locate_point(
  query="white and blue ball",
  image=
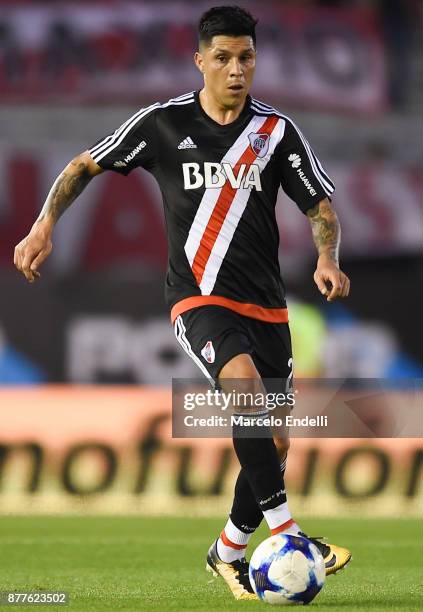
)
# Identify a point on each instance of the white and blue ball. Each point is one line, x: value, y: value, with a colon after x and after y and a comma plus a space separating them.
x: 287, y: 569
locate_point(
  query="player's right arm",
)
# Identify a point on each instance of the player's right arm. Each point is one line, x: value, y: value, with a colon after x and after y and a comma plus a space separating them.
x: 132, y: 145
x: 37, y: 245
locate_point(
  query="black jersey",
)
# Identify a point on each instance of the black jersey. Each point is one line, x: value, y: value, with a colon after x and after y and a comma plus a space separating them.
x: 219, y: 185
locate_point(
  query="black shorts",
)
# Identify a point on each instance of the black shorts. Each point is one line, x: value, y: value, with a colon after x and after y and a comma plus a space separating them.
x: 212, y: 335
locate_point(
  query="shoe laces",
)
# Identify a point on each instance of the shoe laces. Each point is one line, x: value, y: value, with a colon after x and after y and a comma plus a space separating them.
x: 317, y: 541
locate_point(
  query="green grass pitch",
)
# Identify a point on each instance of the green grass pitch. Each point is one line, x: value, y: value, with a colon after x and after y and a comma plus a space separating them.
x: 139, y: 563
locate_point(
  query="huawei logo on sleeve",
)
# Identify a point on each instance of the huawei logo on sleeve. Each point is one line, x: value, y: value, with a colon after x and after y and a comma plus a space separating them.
x: 295, y: 160
x: 130, y: 157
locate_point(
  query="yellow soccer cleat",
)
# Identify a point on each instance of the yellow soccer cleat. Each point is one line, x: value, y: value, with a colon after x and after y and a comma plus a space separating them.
x: 235, y: 574
x: 335, y: 557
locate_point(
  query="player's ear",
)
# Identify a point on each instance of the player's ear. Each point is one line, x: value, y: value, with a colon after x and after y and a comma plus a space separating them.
x: 199, y: 62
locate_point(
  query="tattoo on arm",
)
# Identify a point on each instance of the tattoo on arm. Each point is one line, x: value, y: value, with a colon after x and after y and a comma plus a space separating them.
x: 326, y: 230
x: 66, y: 188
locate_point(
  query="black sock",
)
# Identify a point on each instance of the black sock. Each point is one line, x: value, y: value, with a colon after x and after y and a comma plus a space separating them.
x: 245, y: 512
x: 261, y: 467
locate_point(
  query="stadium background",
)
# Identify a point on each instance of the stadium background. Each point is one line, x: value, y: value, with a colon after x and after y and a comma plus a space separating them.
x: 87, y: 353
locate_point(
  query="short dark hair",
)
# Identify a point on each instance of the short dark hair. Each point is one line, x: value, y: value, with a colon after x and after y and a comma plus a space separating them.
x: 226, y: 21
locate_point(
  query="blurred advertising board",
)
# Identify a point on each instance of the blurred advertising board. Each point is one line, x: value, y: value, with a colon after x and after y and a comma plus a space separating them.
x: 110, y: 449
x: 88, y: 330
x: 74, y: 53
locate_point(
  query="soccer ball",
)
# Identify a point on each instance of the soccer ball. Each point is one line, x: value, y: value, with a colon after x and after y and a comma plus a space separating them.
x: 287, y: 569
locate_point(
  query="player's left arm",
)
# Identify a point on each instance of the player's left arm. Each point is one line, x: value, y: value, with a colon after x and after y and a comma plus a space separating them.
x: 331, y: 281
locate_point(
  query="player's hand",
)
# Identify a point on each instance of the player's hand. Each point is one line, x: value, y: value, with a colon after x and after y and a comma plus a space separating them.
x: 330, y: 280
x: 33, y: 250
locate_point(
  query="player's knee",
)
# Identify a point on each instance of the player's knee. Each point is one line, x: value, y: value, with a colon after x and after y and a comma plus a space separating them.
x: 282, y: 446
x: 240, y: 378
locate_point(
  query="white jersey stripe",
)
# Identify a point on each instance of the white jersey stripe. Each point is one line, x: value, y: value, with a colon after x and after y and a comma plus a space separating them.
x: 109, y: 139
x: 322, y: 170
x: 264, y: 105
x: 201, y: 219
x: 236, y: 209
x: 233, y: 217
x: 327, y: 185
x: 141, y: 110
x: 183, y: 96
x: 211, y: 196
x: 317, y: 168
x: 113, y: 145
x: 119, y: 137
x: 110, y: 142
x: 180, y: 333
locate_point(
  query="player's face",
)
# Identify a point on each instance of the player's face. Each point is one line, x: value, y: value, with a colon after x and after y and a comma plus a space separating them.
x: 228, y: 65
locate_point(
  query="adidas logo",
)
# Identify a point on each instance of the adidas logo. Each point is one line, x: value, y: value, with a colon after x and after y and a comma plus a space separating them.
x: 187, y: 143
x: 295, y: 159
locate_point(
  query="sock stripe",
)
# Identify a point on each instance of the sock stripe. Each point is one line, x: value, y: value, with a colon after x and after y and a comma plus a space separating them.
x: 227, y: 542
x: 282, y: 527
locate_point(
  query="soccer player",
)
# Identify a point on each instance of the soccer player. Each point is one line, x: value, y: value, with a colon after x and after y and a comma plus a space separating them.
x: 220, y: 157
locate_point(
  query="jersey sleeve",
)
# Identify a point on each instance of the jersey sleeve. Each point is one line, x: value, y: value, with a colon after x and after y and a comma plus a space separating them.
x: 132, y: 145
x: 302, y: 176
